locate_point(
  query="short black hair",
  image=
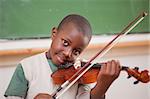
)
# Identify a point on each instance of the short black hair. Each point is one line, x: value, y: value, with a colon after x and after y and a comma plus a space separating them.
x: 80, y: 22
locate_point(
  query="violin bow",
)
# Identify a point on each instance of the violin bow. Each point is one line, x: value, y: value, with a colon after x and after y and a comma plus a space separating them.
x: 66, y: 85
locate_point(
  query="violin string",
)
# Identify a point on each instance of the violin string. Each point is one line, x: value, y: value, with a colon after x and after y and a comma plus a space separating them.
x: 87, y: 66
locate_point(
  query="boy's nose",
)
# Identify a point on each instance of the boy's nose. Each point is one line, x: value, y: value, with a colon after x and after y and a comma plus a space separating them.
x: 68, y: 53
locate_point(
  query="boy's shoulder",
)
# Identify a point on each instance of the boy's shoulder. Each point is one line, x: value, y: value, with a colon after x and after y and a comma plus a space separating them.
x: 34, y: 62
x: 34, y: 65
x: 33, y: 57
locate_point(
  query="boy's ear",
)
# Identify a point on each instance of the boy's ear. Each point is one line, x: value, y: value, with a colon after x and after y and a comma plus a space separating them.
x: 54, y: 32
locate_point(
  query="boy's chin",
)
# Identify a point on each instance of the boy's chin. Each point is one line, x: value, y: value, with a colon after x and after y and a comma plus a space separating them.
x: 65, y: 65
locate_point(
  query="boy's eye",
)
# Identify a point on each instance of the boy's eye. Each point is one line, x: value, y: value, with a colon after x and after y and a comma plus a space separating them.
x: 65, y: 42
x: 76, y: 52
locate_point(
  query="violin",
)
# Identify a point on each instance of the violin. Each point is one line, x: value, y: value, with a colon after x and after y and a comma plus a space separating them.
x: 68, y: 76
x: 63, y: 74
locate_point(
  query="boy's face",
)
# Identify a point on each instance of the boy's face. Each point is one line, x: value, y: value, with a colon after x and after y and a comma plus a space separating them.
x: 67, y: 44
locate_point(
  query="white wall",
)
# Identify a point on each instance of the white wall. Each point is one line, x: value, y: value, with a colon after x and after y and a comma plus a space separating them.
x: 122, y: 88
x: 5, y: 76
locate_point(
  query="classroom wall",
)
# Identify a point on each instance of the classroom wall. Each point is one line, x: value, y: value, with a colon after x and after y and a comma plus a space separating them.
x: 132, y: 51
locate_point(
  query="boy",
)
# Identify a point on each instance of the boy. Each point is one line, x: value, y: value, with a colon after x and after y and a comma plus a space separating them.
x: 32, y: 78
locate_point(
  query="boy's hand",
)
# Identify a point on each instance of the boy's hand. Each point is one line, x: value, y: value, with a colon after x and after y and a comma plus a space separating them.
x: 42, y: 96
x: 107, y: 74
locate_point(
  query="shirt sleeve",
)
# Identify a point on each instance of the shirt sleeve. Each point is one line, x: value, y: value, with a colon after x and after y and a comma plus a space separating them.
x: 84, y: 91
x: 18, y: 85
x: 14, y: 97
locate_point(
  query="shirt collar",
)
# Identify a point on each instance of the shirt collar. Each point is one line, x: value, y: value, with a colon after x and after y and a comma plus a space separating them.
x: 52, y: 66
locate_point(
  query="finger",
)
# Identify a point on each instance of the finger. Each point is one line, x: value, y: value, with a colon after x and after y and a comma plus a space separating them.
x: 42, y: 96
x: 104, y: 67
x: 118, y: 68
x: 114, y: 67
x: 109, y: 67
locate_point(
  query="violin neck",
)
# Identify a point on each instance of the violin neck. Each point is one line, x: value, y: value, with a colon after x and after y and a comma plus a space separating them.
x: 98, y: 65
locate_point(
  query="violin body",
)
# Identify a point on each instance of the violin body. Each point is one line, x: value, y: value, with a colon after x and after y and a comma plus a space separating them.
x: 63, y: 74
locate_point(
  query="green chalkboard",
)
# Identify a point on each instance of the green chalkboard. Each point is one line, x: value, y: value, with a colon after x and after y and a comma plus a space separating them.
x: 35, y: 18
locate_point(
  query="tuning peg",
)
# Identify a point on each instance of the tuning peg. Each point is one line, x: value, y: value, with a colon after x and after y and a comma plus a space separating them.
x: 136, y: 82
x: 129, y: 76
x: 136, y: 68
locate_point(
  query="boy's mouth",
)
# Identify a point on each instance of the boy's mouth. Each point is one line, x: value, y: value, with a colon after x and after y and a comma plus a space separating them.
x: 60, y: 60
x: 63, y: 62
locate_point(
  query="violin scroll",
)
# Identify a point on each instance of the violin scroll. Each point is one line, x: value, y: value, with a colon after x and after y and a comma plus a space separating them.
x: 142, y: 76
